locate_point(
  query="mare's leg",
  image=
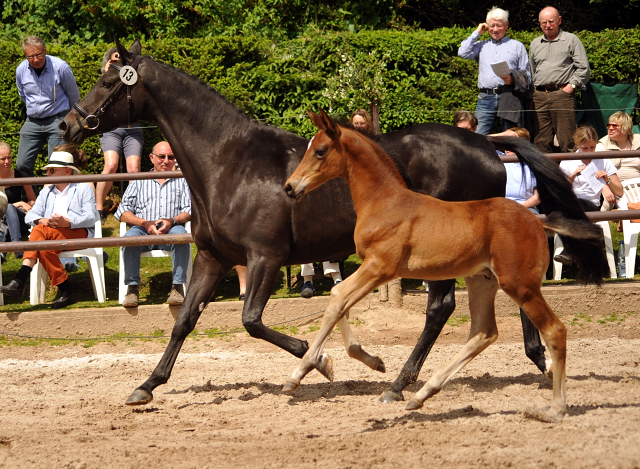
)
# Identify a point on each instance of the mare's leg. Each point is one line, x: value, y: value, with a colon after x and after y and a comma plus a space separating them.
x: 482, y: 294
x: 533, y: 346
x: 526, y: 292
x: 353, y: 289
x: 261, y: 278
x: 441, y: 303
x: 207, y: 273
x: 351, y: 344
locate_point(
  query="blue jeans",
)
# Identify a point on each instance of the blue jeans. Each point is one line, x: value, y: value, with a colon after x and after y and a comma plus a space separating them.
x: 33, y: 135
x: 486, y: 113
x: 180, y: 256
x: 16, y: 224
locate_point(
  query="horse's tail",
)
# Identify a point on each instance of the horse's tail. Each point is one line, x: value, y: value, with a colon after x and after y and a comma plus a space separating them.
x: 560, y: 204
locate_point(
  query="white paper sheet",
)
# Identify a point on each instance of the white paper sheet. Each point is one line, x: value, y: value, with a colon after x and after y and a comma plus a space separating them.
x: 589, y: 173
x: 501, y: 69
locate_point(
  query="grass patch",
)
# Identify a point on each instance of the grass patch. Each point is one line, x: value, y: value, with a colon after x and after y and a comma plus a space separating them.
x: 458, y: 320
x: 617, y: 318
x: 580, y: 319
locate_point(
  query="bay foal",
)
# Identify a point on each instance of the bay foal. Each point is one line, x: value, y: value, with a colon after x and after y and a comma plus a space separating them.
x: 493, y: 243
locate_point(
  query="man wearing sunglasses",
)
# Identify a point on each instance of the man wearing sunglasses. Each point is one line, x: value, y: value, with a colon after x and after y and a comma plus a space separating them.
x: 153, y: 207
x: 559, y: 66
x: 48, y: 89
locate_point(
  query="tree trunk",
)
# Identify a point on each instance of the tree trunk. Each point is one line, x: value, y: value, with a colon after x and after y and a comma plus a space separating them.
x: 375, y: 119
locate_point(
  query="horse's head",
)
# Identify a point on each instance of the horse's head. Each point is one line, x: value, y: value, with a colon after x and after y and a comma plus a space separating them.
x: 322, y: 161
x: 105, y: 107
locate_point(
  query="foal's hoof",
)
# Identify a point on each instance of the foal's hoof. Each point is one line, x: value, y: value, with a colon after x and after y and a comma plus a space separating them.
x: 413, y: 404
x: 289, y: 387
x: 544, y: 415
x: 139, y: 397
x: 390, y: 396
x: 381, y: 368
x: 325, y: 367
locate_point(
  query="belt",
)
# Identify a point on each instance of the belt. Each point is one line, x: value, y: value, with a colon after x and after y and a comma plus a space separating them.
x: 548, y: 88
x: 496, y: 90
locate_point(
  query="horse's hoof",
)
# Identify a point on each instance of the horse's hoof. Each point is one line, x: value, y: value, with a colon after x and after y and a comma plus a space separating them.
x: 544, y: 415
x: 139, y: 397
x: 381, y: 368
x: 413, y: 404
x: 325, y: 367
x: 289, y: 387
x: 390, y: 396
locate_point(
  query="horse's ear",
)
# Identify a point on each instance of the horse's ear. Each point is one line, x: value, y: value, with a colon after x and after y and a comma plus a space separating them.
x: 127, y: 56
x: 317, y: 121
x: 330, y: 126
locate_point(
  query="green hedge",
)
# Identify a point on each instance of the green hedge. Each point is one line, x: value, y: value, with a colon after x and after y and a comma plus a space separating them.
x: 279, y: 81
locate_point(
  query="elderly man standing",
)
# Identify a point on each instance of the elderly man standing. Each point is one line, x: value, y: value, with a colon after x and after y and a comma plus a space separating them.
x: 559, y: 65
x: 153, y: 207
x: 500, y: 96
x: 48, y: 88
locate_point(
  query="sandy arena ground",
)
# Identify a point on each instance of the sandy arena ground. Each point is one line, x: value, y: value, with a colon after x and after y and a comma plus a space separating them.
x: 62, y: 407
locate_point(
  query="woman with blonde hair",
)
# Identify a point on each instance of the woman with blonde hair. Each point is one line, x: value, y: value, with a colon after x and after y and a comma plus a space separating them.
x: 361, y: 121
x: 620, y: 137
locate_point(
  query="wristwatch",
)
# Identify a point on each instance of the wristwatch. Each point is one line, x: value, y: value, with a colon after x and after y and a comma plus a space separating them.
x: 573, y: 86
x: 608, y: 181
x: 175, y: 222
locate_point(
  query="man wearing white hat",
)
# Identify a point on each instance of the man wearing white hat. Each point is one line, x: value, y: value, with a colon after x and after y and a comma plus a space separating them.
x: 62, y: 211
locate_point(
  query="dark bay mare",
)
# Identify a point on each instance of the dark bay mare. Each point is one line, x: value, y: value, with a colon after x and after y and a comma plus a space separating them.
x: 236, y: 168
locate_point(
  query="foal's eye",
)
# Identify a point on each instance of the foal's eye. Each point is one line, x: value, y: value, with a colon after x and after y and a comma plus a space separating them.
x: 320, y: 152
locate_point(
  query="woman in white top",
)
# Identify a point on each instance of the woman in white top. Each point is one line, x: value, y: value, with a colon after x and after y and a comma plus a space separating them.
x: 620, y: 137
x: 590, y: 178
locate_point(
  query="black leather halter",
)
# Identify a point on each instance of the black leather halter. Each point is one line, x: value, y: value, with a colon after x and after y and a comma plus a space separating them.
x: 92, y: 121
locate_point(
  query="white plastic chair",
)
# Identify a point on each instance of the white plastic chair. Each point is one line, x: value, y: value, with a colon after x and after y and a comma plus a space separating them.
x: 96, y: 269
x: 631, y: 189
x: 122, y: 289
x: 558, y: 246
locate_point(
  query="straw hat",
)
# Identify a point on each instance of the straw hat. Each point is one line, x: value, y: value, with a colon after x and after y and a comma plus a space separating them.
x: 62, y: 159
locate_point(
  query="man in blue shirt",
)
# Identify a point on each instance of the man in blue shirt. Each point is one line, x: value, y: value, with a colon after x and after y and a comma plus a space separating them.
x: 48, y: 88
x: 509, y: 88
x: 153, y: 207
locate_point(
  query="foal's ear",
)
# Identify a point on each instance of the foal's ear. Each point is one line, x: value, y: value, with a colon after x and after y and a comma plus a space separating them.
x: 331, y: 127
x: 317, y: 121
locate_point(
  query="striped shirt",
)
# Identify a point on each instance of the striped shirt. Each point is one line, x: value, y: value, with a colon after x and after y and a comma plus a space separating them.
x: 149, y: 200
x: 492, y: 52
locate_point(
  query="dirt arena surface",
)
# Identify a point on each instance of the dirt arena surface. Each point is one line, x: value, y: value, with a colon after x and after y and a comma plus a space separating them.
x: 63, y: 406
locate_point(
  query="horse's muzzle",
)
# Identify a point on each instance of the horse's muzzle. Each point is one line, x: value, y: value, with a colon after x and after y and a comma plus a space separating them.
x: 292, y: 192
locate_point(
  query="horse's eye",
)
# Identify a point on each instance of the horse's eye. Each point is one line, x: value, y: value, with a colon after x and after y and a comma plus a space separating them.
x: 108, y: 84
x: 320, y: 152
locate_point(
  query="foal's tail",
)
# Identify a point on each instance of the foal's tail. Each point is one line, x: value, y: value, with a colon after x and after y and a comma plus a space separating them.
x: 582, y: 240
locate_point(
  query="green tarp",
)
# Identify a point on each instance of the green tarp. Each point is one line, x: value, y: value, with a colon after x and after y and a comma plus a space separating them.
x: 600, y: 100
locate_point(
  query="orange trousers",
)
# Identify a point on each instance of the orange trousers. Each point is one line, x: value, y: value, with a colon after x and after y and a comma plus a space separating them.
x: 49, y: 259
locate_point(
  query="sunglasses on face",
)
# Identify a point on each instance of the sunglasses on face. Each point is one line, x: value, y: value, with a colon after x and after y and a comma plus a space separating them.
x: 51, y: 170
x: 162, y: 157
x: 611, y: 125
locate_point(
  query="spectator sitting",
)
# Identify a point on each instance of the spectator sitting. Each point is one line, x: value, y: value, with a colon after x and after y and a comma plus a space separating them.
x: 153, y: 207
x: 620, y: 136
x: 331, y: 269
x: 61, y: 211
x: 589, y: 178
x: 465, y: 120
x: 20, y: 200
x: 126, y: 141
x: 362, y: 122
x: 521, y: 183
x: 48, y: 88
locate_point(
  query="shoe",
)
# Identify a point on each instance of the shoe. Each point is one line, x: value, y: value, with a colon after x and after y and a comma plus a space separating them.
x: 241, y: 297
x: 13, y: 288
x: 64, y: 298
x: 563, y: 259
x: 132, y: 298
x: 71, y: 266
x: 307, y: 290
x: 103, y: 216
x: 176, y: 296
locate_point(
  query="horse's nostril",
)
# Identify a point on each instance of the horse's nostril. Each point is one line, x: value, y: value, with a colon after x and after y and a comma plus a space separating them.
x: 288, y: 188
x: 62, y: 126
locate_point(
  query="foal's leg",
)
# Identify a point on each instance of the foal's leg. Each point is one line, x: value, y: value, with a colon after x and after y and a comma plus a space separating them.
x: 351, y: 344
x: 352, y: 290
x: 441, y: 303
x: 482, y: 294
x: 527, y: 294
x: 533, y: 346
x: 207, y: 273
